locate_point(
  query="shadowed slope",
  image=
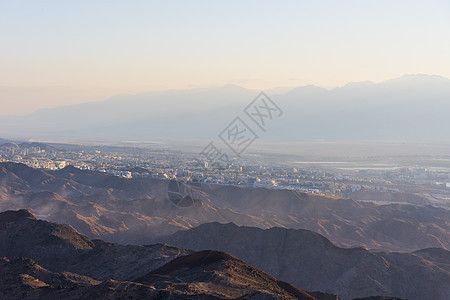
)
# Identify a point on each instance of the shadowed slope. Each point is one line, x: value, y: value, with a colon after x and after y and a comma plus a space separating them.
x: 224, y: 275
x: 312, y: 262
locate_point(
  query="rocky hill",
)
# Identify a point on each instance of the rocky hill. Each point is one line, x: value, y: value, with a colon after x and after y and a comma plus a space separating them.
x: 23, y: 278
x: 53, y: 261
x: 139, y: 210
x: 310, y: 261
x: 207, y: 270
x: 45, y: 260
x: 219, y: 276
x: 60, y: 248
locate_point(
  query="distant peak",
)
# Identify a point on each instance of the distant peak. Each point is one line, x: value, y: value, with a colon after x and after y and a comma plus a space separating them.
x: 217, y: 224
x: 307, y: 89
x: 71, y: 169
x: 200, y: 258
x: 14, y: 215
x: 358, y: 84
x: 421, y: 78
x: 10, y: 164
x: 234, y: 87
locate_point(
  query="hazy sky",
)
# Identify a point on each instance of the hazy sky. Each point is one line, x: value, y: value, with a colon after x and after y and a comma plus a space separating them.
x: 62, y: 52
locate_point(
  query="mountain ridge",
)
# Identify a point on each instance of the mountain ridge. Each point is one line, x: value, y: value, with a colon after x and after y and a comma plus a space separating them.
x: 115, y: 271
x: 139, y: 210
x: 387, y: 110
x: 312, y: 262
x: 79, y: 273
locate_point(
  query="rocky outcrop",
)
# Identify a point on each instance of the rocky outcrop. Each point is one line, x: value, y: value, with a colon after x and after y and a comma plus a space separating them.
x: 59, y: 248
x: 221, y: 275
x: 311, y: 262
x: 78, y: 268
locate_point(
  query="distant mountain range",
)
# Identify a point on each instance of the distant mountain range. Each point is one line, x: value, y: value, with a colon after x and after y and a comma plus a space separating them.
x: 25, y: 145
x: 139, y: 210
x: 409, y: 108
x: 3, y: 141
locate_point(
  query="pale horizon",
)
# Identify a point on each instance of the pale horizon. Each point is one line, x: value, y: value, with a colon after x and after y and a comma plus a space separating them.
x: 73, y: 97
x: 61, y: 53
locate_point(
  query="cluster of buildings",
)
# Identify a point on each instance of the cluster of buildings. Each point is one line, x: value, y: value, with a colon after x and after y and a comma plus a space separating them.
x: 165, y: 164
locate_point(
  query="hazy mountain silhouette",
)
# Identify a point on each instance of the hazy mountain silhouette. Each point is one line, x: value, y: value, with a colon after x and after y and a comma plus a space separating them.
x: 3, y: 141
x: 412, y: 107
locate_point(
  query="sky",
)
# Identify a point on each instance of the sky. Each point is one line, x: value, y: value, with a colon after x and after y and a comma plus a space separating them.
x: 64, y: 52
